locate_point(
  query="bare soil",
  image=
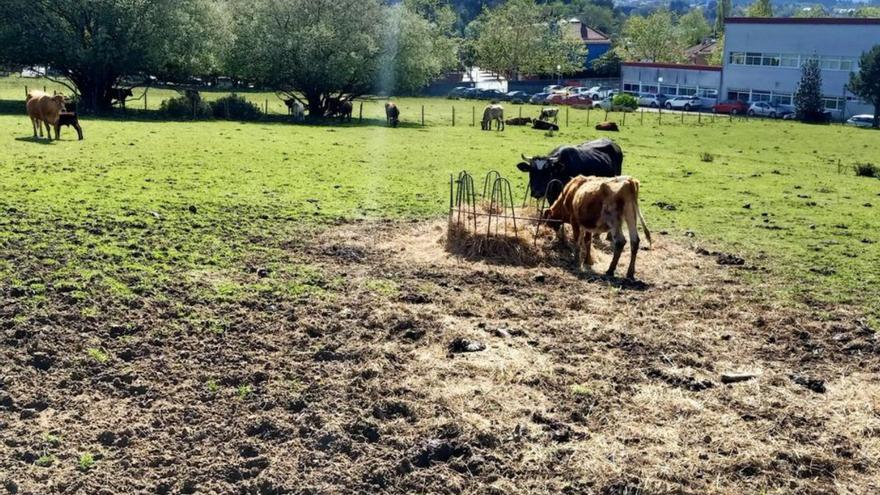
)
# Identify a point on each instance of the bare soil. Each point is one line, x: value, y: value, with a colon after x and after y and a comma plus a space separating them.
x: 576, y: 384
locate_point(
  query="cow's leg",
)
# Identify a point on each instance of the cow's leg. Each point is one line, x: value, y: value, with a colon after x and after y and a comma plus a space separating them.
x: 34, y: 125
x: 632, y: 225
x: 57, y: 131
x: 588, y: 248
x: 576, y: 236
x: 619, y: 243
x: 48, y: 130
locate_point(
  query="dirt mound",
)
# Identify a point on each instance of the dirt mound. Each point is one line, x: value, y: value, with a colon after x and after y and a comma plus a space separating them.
x: 413, y: 370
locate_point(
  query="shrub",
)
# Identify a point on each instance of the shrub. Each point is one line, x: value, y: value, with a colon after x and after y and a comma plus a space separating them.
x: 867, y: 170
x: 625, y: 100
x: 235, y: 107
x: 86, y: 461
x: 189, y: 106
x: 707, y: 157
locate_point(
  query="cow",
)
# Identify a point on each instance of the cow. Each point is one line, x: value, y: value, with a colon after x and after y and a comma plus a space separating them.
x: 119, y: 95
x: 595, y: 205
x: 543, y: 125
x: 340, y: 108
x: 518, y: 121
x: 295, y: 108
x: 493, y: 113
x: 602, y: 157
x: 392, y: 114
x: 607, y: 126
x: 549, y: 113
x: 70, y: 119
x: 44, y: 109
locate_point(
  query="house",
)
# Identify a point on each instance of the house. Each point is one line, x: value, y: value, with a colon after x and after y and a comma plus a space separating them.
x: 701, y: 53
x: 597, y: 42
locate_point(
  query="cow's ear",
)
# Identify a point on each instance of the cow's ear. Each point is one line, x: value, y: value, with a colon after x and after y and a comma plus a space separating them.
x: 523, y: 166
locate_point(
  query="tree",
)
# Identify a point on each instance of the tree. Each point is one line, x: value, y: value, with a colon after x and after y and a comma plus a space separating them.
x: 868, y: 12
x: 808, y: 103
x: 651, y: 39
x: 717, y: 56
x: 518, y: 38
x: 866, y: 83
x: 722, y: 11
x: 761, y: 8
x: 693, y: 28
x: 608, y: 65
x: 94, y: 43
x: 416, y: 52
x: 815, y: 10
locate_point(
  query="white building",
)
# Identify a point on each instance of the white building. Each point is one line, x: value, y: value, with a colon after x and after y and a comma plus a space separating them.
x: 763, y: 56
x: 672, y: 79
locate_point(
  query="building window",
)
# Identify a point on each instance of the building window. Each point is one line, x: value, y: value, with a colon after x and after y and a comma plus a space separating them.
x: 781, y: 99
x: 738, y: 94
x: 668, y: 90
x: 770, y: 59
x: 707, y: 93
x: 647, y: 88
x: 760, y: 96
x: 631, y: 87
x: 833, y: 103
x: 787, y: 60
x: 753, y: 58
x: 685, y: 91
x: 737, y: 58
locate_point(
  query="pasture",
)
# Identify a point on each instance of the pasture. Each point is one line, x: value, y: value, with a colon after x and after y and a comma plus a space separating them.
x: 229, y: 307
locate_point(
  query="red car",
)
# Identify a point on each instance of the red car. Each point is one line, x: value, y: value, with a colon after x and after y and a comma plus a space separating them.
x: 555, y: 99
x: 731, y: 106
x: 577, y: 100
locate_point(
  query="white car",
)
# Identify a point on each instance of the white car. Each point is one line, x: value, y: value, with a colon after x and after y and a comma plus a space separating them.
x: 767, y: 109
x: 608, y: 105
x: 863, y: 120
x: 554, y: 89
x: 599, y: 92
x: 686, y: 103
x: 651, y: 100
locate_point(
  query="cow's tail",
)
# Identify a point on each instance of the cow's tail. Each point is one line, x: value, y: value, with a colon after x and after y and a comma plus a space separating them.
x: 635, y: 185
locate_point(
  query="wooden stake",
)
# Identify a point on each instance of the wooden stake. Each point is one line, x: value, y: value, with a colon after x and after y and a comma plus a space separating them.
x: 423, y: 115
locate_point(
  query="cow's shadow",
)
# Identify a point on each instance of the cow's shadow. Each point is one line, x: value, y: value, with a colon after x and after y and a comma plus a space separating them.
x: 564, y: 258
x: 35, y: 140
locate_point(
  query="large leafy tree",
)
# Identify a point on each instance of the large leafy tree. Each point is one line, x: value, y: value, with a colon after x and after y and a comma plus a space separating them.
x: 654, y: 38
x: 808, y: 102
x: 761, y: 8
x: 520, y: 38
x: 693, y: 27
x: 723, y: 10
x: 95, y: 43
x: 866, y: 83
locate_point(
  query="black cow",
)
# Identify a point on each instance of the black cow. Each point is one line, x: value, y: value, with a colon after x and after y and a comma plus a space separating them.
x: 602, y: 158
x: 340, y: 108
x: 68, y: 119
x: 119, y: 95
x: 392, y: 114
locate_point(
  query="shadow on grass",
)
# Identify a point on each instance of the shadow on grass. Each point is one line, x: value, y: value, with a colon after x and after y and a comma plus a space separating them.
x: 35, y: 140
x: 14, y: 107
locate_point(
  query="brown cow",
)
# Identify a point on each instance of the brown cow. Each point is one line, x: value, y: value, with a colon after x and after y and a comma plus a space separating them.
x: 44, y: 109
x: 519, y: 121
x: 607, y: 126
x: 593, y: 205
x: 392, y: 114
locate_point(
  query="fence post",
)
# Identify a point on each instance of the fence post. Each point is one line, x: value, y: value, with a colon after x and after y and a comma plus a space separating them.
x: 606, y: 115
x: 145, y: 100
x: 267, y: 106
x: 44, y: 89
x: 520, y: 112
x: 699, y: 117
x: 361, y: 113
x: 566, y: 116
x: 624, y: 119
x: 423, y: 115
x: 659, y: 115
x: 682, y: 116
x: 453, y: 115
x: 473, y: 116
x: 642, y: 118
x: 194, y: 108
x: 588, y: 115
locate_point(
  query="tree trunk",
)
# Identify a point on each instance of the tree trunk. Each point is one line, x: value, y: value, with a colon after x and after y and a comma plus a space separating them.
x: 317, y: 107
x: 94, y: 90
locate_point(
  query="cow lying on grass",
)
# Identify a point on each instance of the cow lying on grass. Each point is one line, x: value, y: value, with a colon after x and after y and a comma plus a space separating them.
x: 594, y: 205
x: 519, y: 121
x: 543, y: 125
x: 44, y: 109
x: 69, y: 119
x: 607, y: 126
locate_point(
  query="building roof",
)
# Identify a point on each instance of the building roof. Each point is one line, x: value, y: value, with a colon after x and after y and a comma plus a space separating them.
x: 589, y: 35
x: 804, y: 20
x: 656, y: 65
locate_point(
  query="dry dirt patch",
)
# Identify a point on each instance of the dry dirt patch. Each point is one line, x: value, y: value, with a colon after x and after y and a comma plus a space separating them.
x: 577, y: 384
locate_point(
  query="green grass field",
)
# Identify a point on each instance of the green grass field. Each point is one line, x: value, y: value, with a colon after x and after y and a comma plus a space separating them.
x: 769, y: 191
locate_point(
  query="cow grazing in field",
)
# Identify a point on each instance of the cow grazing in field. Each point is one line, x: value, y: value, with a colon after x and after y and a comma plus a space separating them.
x: 595, y: 205
x: 340, y: 108
x: 119, y: 95
x: 392, y: 114
x: 549, y: 113
x: 543, y: 125
x: 295, y: 108
x: 44, y: 110
x: 602, y: 157
x: 70, y: 119
x: 519, y: 121
x: 493, y: 113
x: 607, y: 126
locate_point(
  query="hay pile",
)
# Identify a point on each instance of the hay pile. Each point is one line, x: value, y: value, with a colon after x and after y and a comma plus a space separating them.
x: 524, y: 245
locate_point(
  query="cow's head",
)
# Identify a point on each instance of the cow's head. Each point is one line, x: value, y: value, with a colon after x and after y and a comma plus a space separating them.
x: 542, y: 171
x: 60, y: 101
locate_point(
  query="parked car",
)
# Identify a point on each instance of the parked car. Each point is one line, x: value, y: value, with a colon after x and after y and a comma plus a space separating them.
x: 733, y: 107
x: 570, y: 90
x: 767, y: 109
x: 599, y: 92
x: 539, y: 98
x: 554, y: 99
x: 553, y: 89
x: 863, y: 120
x: 491, y: 94
x: 470, y: 93
x: 608, y: 105
x: 686, y: 103
x: 652, y: 100
x: 577, y: 100
x: 458, y: 92
x: 518, y: 97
